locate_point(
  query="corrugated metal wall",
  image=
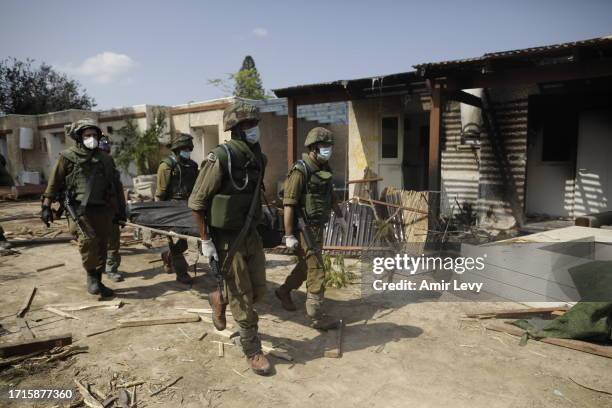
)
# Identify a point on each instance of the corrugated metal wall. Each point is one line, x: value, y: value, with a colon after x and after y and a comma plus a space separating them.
x: 474, y: 176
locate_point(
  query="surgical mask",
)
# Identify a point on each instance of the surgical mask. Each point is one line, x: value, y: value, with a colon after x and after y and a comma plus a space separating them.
x: 90, y: 143
x: 185, y: 154
x: 324, y: 153
x: 252, y: 135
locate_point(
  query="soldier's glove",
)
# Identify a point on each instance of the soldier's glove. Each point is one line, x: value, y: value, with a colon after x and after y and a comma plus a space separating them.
x: 291, y: 241
x: 208, y: 249
x: 46, y: 215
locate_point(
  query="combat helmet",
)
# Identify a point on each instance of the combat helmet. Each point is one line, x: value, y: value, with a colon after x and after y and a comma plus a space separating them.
x: 319, y: 135
x: 75, y: 129
x: 239, y: 112
x: 181, y: 140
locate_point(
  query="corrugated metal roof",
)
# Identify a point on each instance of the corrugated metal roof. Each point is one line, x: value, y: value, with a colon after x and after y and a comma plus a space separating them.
x: 520, y: 52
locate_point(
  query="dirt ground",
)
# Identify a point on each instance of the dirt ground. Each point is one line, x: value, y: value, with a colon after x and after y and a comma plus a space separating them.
x: 396, y: 353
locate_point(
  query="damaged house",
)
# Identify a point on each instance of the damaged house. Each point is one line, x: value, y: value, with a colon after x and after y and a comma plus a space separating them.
x: 515, y: 136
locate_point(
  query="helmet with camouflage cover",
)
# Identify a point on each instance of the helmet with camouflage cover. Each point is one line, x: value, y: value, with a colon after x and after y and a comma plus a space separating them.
x: 319, y: 135
x: 76, y: 129
x: 239, y: 112
x: 181, y: 140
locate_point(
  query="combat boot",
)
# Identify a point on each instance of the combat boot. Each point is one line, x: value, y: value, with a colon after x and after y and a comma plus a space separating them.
x: 215, y: 299
x: 114, y: 276
x: 92, y: 283
x: 4, y: 244
x: 103, y: 290
x: 259, y: 364
x: 180, y: 267
x: 324, y: 322
x: 167, y: 260
x: 284, y: 295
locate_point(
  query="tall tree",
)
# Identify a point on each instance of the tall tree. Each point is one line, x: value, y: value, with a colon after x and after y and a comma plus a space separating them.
x: 29, y: 90
x: 247, y: 82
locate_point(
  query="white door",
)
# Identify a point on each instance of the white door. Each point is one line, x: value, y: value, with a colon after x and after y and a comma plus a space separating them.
x: 593, y: 190
x: 390, y: 149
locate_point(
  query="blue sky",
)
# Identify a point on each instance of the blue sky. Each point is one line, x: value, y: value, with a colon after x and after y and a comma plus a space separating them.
x: 162, y: 52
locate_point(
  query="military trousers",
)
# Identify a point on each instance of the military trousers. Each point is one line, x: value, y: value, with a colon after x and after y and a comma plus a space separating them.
x: 309, y: 266
x: 245, y: 283
x: 113, y: 258
x: 96, y: 222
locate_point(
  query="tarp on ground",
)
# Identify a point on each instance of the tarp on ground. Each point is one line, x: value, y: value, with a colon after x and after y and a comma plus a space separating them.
x: 585, y: 321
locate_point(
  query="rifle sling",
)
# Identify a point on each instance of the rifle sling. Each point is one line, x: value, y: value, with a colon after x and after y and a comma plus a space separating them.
x: 249, y: 219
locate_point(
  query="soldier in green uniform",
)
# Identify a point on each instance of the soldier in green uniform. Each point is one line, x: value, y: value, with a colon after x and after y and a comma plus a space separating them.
x: 226, y: 204
x: 176, y: 176
x: 308, y: 193
x: 113, y: 258
x: 5, y: 181
x: 90, y: 179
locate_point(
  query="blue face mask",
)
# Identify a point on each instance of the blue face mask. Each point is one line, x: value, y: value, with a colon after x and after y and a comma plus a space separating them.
x: 252, y: 135
x: 324, y: 154
x: 185, y: 154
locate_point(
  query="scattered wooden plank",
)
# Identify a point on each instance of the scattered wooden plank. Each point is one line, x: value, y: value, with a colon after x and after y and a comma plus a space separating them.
x: 165, y: 387
x: 100, y: 332
x: 130, y: 384
x: 158, y: 320
x: 61, y: 313
x: 69, y: 351
x: 584, y: 346
x: 27, y: 303
x: 517, y: 312
x: 17, y: 359
x: 276, y: 353
x: 558, y: 313
x: 45, y: 268
x: 72, y: 307
x: 202, y: 336
x: 200, y: 311
x: 88, y: 399
x: 221, y: 348
x: 336, y: 351
x: 30, y: 346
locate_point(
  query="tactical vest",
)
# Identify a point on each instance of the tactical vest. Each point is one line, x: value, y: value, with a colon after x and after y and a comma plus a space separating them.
x: 89, y: 176
x: 316, y: 199
x: 182, y: 178
x: 241, y: 169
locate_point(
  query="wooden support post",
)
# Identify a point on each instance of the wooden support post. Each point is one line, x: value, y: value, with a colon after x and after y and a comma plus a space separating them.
x: 291, y: 132
x: 435, y: 129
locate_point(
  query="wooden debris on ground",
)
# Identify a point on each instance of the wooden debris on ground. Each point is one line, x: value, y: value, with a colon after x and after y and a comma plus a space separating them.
x: 45, y: 268
x: 88, y: 398
x: 517, y: 313
x: 336, y: 350
x: 591, y: 348
x: 165, y: 387
x: 191, y: 318
x: 200, y: 311
x: 73, y: 307
x: 30, y: 346
x: 90, y: 334
x: 61, y: 313
x: 27, y: 303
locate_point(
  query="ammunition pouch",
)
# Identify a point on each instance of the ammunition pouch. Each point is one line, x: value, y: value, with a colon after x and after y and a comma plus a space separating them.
x: 229, y: 211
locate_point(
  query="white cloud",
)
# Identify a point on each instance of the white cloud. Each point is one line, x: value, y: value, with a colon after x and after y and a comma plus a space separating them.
x: 260, y: 32
x: 104, y: 68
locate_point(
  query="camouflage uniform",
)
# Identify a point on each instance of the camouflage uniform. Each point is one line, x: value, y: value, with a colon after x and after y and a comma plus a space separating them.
x: 93, y: 179
x: 309, y: 189
x: 245, y: 281
x: 175, y: 179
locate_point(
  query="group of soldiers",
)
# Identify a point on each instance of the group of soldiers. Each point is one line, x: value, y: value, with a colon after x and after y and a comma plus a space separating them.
x: 224, y: 195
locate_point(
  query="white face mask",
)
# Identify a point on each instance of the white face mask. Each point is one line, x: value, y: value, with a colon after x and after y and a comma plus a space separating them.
x: 324, y: 153
x: 185, y: 154
x: 90, y: 142
x: 252, y: 135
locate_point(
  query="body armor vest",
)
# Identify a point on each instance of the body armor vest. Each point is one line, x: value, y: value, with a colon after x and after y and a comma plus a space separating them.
x: 316, y: 200
x: 241, y: 169
x: 89, y: 176
x: 182, y: 178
